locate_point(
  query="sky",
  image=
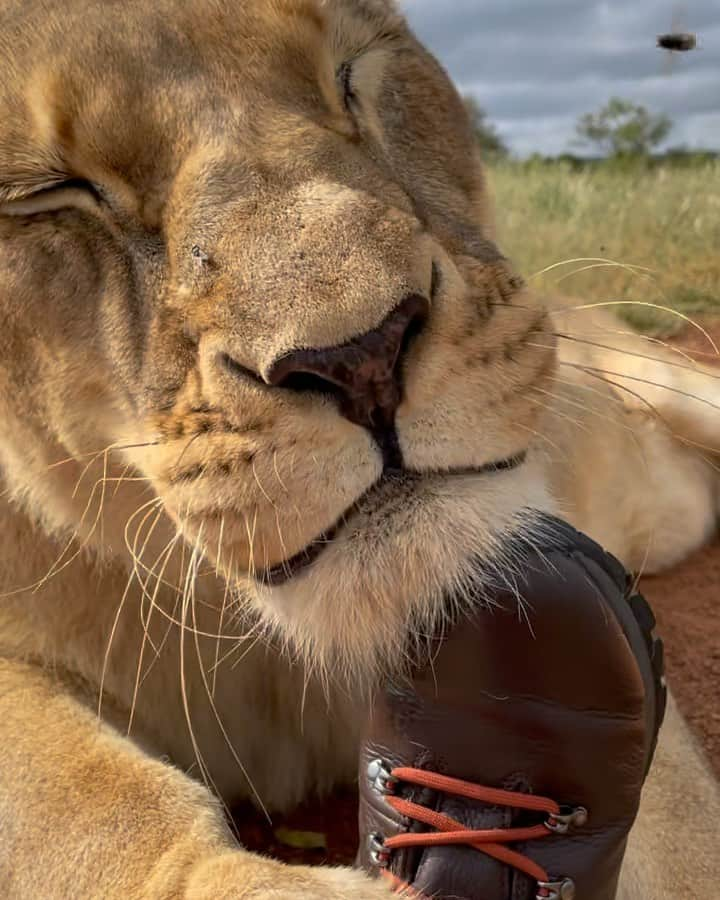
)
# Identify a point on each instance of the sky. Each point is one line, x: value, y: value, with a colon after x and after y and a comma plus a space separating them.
x: 536, y: 65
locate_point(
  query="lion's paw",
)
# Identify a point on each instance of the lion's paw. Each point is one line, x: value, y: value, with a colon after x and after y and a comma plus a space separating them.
x: 243, y: 876
x: 341, y: 884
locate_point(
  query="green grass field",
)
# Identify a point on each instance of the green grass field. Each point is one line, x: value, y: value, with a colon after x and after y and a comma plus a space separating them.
x: 659, y: 228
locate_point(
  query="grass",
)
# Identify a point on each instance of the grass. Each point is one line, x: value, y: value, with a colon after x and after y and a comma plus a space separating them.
x: 662, y: 225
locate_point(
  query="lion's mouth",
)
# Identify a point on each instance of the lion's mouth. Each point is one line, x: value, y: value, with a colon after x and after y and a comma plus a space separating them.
x: 289, y: 569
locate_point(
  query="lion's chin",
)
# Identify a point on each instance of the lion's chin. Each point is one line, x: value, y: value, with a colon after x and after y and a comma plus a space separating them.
x: 415, y: 549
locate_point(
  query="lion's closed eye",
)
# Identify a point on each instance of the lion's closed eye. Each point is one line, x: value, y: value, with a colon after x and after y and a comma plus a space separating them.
x: 73, y: 193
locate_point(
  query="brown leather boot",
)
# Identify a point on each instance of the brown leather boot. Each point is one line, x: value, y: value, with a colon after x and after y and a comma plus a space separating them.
x: 511, y: 767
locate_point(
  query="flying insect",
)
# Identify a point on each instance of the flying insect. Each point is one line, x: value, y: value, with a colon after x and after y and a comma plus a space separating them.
x: 677, y: 42
x: 677, y: 39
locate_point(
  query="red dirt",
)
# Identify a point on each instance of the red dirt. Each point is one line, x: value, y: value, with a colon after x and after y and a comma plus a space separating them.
x: 698, y: 339
x: 687, y: 604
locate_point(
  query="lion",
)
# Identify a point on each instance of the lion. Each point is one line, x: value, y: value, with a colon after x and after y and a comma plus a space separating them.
x: 267, y: 388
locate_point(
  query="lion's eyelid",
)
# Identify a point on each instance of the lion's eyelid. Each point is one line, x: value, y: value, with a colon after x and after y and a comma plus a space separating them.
x: 51, y: 200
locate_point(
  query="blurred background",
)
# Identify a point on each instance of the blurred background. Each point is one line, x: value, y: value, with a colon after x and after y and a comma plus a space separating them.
x: 617, y: 141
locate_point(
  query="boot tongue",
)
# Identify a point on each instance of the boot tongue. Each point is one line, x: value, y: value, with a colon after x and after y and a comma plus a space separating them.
x: 466, y: 872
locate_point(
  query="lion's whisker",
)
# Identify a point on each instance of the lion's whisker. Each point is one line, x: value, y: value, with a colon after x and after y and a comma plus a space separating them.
x: 283, y: 548
x: 646, y: 304
x: 144, y: 622
x: 604, y: 417
x: 218, y: 556
x: 600, y: 260
x: 562, y: 415
x: 185, y: 449
x: 277, y: 474
x: 155, y: 502
x: 541, y: 437
x: 56, y: 567
x: 643, y: 400
x: 202, y: 766
x: 154, y: 606
x: 251, y: 545
x: 256, y: 632
x: 219, y: 720
x: 111, y: 638
x: 221, y: 620
x: 84, y: 472
x: 262, y: 489
x: 687, y: 355
x: 518, y: 307
x: 612, y: 397
x: 696, y: 369
x: 636, y: 378
x: 589, y: 268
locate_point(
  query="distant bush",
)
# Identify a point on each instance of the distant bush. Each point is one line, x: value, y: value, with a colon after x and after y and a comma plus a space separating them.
x: 623, y: 129
x: 678, y: 157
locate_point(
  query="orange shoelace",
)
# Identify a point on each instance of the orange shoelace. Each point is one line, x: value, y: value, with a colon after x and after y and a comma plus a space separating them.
x: 449, y: 831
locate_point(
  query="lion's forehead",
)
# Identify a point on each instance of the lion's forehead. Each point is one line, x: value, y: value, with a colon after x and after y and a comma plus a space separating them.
x: 131, y: 51
x: 92, y: 86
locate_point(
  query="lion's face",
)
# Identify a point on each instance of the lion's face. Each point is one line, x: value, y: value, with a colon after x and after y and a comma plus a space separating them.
x: 248, y: 243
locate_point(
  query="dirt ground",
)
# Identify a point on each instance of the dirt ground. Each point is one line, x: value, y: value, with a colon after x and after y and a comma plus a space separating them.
x: 687, y: 605
x: 686, y: 602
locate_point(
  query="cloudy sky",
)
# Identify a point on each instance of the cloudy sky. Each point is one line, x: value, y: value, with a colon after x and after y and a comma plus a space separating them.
x: 536, y: 65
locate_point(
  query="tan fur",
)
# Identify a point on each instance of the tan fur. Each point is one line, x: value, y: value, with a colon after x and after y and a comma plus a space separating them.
x: 247, y: 213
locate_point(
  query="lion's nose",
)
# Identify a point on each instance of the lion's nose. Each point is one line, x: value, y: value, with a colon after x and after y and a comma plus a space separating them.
x: 364, y: 373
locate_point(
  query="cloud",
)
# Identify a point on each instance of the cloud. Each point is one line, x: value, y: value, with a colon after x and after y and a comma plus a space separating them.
x: 536, y: 65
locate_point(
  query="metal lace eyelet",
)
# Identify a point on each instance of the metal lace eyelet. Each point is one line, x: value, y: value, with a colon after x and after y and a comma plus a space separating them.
x: 568, y: 817
x: 380, y: 777
x: 556, y: 890
x: 379, y: 853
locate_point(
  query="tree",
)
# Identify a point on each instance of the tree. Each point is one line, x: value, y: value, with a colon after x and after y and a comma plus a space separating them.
x: 623, y: 128
x: 491, y: 144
